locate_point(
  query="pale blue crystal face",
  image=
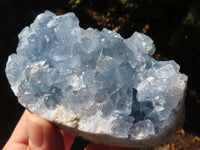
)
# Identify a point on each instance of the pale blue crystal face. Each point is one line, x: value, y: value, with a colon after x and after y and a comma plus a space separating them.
x: 95, y: 73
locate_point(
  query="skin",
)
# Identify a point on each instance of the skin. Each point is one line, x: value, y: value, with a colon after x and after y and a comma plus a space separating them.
x: 35, y: 133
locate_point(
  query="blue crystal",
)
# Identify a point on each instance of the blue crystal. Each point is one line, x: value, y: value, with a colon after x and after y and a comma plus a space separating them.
x: 95, y: 74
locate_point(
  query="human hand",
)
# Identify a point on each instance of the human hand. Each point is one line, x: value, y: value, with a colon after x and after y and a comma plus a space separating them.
x: 35, y: 133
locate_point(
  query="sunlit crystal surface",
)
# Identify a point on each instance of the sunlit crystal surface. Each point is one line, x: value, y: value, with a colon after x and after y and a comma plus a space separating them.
x: 95, y: 81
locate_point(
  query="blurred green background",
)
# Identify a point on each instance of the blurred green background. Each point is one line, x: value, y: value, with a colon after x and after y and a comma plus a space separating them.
x: 174, y: 26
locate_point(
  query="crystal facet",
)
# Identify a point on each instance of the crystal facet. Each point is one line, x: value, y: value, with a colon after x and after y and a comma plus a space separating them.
x: 95, y: 83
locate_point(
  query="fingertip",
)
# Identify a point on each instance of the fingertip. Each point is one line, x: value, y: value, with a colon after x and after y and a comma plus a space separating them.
x: 35, y: 133
x: 35, y: 119
x: 43, y: 134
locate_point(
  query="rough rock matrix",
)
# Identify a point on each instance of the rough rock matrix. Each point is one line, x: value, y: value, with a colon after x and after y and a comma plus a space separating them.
x: 95, y: 83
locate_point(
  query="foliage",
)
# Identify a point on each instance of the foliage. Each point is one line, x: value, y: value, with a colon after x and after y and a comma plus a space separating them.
x: 75, y: 3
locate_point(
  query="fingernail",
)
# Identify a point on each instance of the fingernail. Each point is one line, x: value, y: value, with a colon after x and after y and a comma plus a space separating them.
x: 35, y: 134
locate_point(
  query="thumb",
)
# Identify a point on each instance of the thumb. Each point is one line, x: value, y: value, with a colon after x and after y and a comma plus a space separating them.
x: 43, y: 135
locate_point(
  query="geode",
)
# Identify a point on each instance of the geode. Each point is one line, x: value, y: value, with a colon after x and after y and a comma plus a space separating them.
x: 96, y: 84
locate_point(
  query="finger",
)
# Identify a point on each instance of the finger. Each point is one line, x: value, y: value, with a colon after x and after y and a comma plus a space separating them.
x: 19, y: 137
x: 69, y: 140
x: 43, y: 135
x: 93, y: 146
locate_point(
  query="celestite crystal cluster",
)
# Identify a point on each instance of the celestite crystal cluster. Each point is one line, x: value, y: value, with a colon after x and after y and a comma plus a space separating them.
x: 95, y: 83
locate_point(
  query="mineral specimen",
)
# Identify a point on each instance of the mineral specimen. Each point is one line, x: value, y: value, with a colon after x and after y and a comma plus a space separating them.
x: 96, y: 84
